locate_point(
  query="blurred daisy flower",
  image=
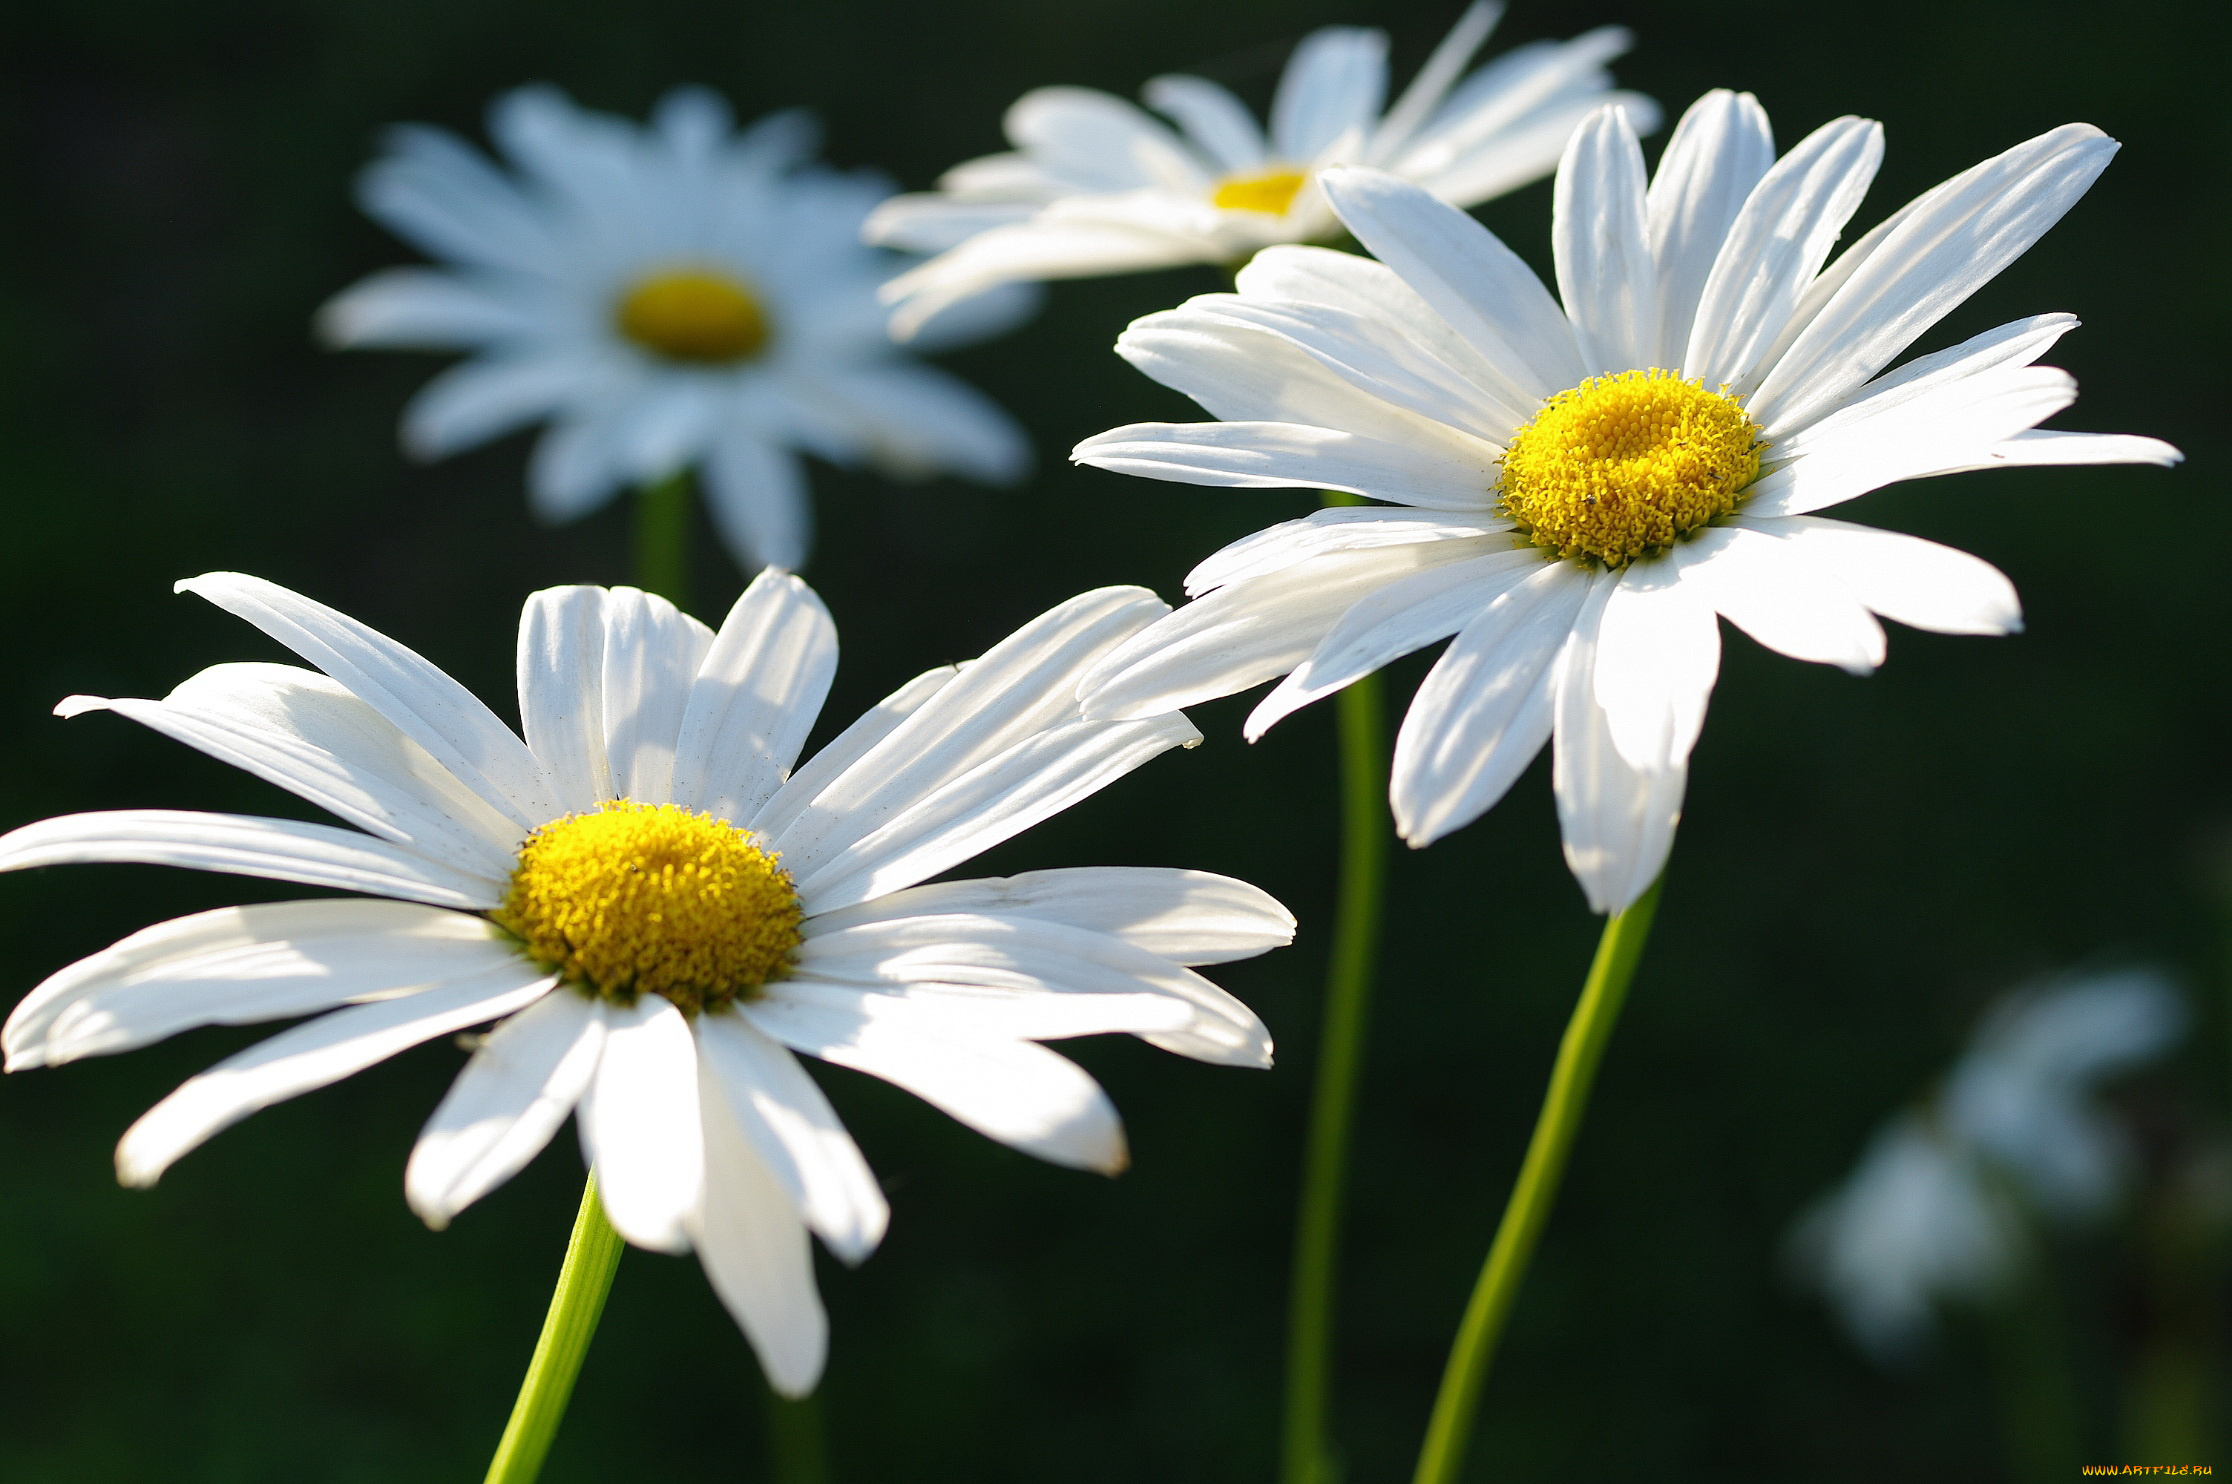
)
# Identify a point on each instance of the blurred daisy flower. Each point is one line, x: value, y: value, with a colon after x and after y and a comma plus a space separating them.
x: 657, y: 912
x: 1576, y: 492
x: 667, y: 298
x: 1096, y: 185
x: 1940, y: 1207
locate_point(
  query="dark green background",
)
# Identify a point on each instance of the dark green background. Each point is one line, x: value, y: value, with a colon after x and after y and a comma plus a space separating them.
x: 1866, y: 862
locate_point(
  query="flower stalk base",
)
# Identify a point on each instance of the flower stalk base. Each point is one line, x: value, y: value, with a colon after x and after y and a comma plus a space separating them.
x: 584, y: 1279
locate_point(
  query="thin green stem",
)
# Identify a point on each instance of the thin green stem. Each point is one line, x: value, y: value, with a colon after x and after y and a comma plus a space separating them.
x: 1618, y: 953
x: 1306, y: 1451
x: 583, y: 1281
x: 662, y: 538
x: 796, y: 1440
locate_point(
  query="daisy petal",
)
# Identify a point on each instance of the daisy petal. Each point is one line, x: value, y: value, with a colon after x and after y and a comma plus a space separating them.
x: 1212, y: 117
x: 1657, y: 655
x: 1484, y: 709
x: 436, y: 712
x: 242, y: 965
x: 1915, y: 582
x: 795, y: 1132
x: 1253, y: 455
x: 1601, y: 241
x: 651, y: 654
x: 1432, y: 84
x: 1017, y: 1092
x: 504, y: 1107
x: 754, y: 1249
x: 1618, y: 823
x: 878, y: 722
x: 755, y: 698
x: 1952, y: 241
x: 1322, y: 532
x: 433, y: 189
x: 420, y: 309
x: 1481, y: 287
x: 486, y: 398
x: 760, y: 502
x: 561, y: 691
x: 1039, y: 248
x: 1390, y: 622
x: 1187, y: 917
x: 1096, y: 141
x: 1001, y: 1013
x: 314, y: 1054
x: 916, y: 421
x: 1775, y: 592
x: 246, y: 845
x: 309, y: 735
x: 640, y: 1123
x: 1719, y: 150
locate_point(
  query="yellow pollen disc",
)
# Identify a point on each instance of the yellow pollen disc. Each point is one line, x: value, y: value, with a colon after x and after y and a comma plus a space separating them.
x: 651, y: 898
x: 691, y: 314
x: 1271, y: 193
x: 1623, y: 466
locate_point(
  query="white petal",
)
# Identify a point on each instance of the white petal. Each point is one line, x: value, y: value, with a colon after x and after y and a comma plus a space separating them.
x: 246, y: 845
x: 502, y: 1109
x: 2046, y: 448
x: 1775, y: 247
x: 1249, y: 631
x: 1718, y: 152
x: 1188, y: 917
x: 1916, y: 582
x: 760, y: 503
x: 1322, y: 532
x: 1389, y: 623
x: 754, y: 1249
x: 916, y: 421
x: 1484, y: 709
x: 1778, y: 594
x: 420, y: 309
x: 1013, y: 695
x: 1481, y: 287
x: 846, y: 748
x: 1028, y: 783
x: 438, y: 192
x: 1335, y: 82
x: 1433, y: 81
x: 795, y: 1132
x: 1618, y: 823
x: 488, y: 397
x: 309, y: 735
x: 1972, y: 363
x: 1036, y: 249
x: 1096, y: 141
x: 242, y: 965
x: 1017, y: 1092
x: 1657, y: 655
x: 1256, y: 455
x: 1215, y: 120
x: 651, y: 654
x: 1952, y: 241
x: 640, y: 1123
x: 1600, y: 237
x: 313, y: 1054
x: 1007, y: 976
x: 755, y: 698
x: 436, y: 712
x: 1497, y: 111
x: 561, y: 691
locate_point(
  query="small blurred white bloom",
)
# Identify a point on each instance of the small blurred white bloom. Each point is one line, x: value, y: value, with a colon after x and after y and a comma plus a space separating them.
x: 1936, y: 1212
x: 667, y: 297
x: 1096, y: 185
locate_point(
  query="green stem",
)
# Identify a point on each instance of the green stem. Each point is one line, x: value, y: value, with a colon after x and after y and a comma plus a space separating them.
x: 1618, y: 953
x: 662, y: 538
x: 583, y: 1281
x: 796, y: 1440
x: 1306, y: 1453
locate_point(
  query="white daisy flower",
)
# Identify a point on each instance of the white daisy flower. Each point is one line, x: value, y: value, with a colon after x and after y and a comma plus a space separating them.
x: 1590, y: 485
x: 1938, y: 1209
x: 667, y: 298
x: 1096, y: 185
x: 658, y: 912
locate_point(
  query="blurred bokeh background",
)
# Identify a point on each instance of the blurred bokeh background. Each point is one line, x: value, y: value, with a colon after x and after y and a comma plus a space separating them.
x: 1865, y: 863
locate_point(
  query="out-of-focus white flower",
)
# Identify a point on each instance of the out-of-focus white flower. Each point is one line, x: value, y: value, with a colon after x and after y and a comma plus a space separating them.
x: 667, y: 297
x: 1937, y: 1210
x: 1096, y: 185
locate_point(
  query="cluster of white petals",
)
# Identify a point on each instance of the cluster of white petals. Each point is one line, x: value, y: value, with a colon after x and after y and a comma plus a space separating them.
x: 539, y: 263
x: 1404, y: 380
x: 1097, y: 185
x: 1939, y: 1209
x: 703, y: 1130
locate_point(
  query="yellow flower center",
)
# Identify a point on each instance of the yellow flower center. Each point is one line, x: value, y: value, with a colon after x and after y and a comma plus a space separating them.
x: 692, y: 314
x: 1623, y: 466
x: 1271, y: 192
x: 651, y: 898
